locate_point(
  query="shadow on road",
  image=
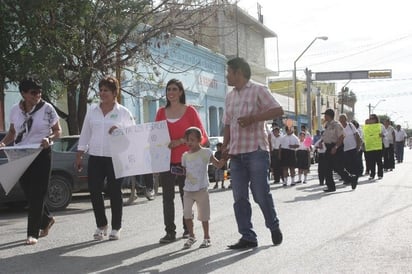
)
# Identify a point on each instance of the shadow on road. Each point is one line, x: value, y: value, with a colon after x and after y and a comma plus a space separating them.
x: 62, y: 262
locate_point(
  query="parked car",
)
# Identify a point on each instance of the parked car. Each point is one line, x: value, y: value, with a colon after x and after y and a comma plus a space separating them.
x: 64, y: 179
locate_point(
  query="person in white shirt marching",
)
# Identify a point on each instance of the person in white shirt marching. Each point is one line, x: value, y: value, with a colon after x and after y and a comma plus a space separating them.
x: 388, y: 146
x: 350, y: 145
x: 101, y: 120
x: 302, y: 158
x: 34, y: 122
x: 400, y: 138
x: 274, y: 144
x: 288, y: 144
x: 321, y: 148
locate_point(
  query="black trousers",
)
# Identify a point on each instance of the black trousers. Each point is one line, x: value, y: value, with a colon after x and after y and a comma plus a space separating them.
x: 335, y: 162
x: 359, y: 163
x: 168, y: 182
x: 35, y: 182
x: 373, y: 160
x: 275, y: 165
x: 350, y: 160
x: 321, y: 167
x: 99, y: 169
x: 389, y: 157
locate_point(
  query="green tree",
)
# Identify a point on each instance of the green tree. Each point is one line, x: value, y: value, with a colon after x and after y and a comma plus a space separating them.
x: 70, y: 44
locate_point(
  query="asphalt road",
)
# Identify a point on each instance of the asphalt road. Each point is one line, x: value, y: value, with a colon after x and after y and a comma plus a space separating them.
x: 368, y: 230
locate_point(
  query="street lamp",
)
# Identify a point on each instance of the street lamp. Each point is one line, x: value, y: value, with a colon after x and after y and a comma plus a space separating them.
x: 294, y: 72
x: 373, y: 108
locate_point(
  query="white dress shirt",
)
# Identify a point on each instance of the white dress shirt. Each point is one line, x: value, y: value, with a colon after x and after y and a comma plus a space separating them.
x: 94, y: 136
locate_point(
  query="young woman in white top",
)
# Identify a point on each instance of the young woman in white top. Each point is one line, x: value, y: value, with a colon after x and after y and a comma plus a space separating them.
x: 288, y: 144
x: 302, y: 158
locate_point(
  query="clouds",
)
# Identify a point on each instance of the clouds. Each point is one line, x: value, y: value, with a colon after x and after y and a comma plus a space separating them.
x: 363, y: 35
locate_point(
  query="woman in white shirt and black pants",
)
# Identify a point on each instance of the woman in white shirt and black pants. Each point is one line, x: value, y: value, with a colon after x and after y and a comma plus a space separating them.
x: 34, y: 121
x: 100, y: 121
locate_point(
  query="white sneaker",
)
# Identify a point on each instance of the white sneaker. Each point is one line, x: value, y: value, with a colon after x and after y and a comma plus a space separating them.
x: 114, y: 235
x: 100, y: 233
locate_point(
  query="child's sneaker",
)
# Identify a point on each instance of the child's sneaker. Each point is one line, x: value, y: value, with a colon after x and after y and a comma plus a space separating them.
x: 190, y: 241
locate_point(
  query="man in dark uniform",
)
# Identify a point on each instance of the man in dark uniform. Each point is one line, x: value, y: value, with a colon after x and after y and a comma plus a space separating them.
x: 333, y: 139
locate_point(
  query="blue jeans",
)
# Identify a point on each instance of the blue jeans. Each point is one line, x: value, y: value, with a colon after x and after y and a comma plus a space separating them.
x: 399, y: 146
x: 253, y: 168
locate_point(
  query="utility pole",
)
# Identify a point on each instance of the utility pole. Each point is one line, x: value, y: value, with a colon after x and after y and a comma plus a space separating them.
x: 343, y: 91
x: 308, y: 98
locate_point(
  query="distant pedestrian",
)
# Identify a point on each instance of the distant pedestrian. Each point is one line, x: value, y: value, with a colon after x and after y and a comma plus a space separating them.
x: 302, y: 158
x: 195, y: 162
x: 351, y: 145
x: 333, y: 139
x: 288, y: 145
x: 247, y: 107
x: 359, y: 156
x: 274, y: 144
x: 373, y: 154
x: 388, y: 146
x: 100, y: 122
x: 219, y: 172
x: 140, y: 183
x: 321, y: 149
x: 317, y: 136
x: 400, y: 138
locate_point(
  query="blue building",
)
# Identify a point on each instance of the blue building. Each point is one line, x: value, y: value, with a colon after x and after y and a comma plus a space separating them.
x: 202, y: 72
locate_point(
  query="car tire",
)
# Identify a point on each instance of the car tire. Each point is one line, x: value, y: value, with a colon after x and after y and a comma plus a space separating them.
x: 59, y: 194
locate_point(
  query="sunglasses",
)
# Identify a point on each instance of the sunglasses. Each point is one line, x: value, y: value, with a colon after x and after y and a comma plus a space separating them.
x: 33, y: 91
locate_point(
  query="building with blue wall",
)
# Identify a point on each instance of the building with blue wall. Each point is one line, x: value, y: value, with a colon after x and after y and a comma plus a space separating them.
x: 202, y: 72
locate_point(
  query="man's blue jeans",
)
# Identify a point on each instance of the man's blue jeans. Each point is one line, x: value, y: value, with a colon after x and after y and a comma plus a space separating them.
x: 252, y: 168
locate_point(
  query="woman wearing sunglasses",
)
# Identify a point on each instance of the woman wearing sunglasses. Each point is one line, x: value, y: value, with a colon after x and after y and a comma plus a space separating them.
x: 34, y: 121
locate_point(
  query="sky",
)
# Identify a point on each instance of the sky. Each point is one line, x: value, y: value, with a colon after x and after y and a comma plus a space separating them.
x: 362, y: 35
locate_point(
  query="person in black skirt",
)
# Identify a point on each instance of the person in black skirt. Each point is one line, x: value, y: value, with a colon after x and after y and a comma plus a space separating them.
x: 302, y: 158
x: 288, y: 144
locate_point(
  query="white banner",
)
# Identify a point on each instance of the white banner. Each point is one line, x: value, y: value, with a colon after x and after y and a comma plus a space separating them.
x: 141, y: 149
x: 20, y: 158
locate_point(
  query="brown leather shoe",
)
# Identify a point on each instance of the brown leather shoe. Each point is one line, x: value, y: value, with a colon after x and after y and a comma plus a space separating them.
x: 44, y: 232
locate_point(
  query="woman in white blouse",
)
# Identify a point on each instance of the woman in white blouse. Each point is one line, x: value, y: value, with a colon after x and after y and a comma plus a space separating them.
x: 34, y: 121
x: 100, y: 121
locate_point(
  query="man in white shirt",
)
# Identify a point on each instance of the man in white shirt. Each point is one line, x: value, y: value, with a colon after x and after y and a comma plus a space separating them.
x: 400, y: 137
x: 350, y: 146
x: 388, y: 146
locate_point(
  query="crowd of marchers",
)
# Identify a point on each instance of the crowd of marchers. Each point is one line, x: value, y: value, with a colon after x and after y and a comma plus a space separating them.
x: 343, y: 147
